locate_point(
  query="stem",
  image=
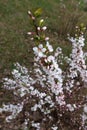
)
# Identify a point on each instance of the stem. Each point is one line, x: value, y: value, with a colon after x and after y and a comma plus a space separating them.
x: 35, y: 27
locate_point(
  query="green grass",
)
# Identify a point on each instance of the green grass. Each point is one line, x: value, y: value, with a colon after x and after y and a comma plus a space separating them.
x: 15, y: 46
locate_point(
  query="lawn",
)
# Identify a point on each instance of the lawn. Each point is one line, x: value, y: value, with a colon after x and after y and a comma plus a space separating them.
x: 15, y: 45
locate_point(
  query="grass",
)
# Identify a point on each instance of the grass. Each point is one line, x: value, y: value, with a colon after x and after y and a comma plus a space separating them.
x: 15, y: 46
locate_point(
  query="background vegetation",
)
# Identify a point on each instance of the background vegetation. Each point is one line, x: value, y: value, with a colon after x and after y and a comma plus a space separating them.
x: 61, y: 19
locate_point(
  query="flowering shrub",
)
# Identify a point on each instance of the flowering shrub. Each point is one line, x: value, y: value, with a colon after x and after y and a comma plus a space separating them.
x: 49, y: 98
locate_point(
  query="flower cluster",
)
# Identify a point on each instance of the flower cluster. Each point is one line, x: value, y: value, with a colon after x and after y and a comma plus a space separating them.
x: 77, y: 65
x: 48, y: 97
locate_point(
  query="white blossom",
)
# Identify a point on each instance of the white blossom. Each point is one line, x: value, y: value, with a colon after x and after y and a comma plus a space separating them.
x: 14, y: 109
x: 39, y: 51
x: 46, y: 88
x: 50, y: 48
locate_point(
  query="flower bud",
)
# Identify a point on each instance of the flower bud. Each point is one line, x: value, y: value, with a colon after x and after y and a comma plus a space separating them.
x: 32, y: 38
x: 29, y: 33
x: 47, y: 38
x: 44, y: 28
x: 33, y: 18
x: 41, y: 20
x: 29, y: 12
x: 38, y: 28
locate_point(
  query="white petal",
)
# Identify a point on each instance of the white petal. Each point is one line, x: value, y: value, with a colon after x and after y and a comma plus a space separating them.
x: 35, y: 49
x: 40, y: 46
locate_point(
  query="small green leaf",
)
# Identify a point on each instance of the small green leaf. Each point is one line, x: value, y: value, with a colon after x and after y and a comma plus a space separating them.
x: 41, y: 22
x: 37, y: 37
x: 38, y: 12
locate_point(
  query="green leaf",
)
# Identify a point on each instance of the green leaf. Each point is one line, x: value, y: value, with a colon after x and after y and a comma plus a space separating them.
x: 38, y: 12
x: 37, y: 37
x: 41, y: 22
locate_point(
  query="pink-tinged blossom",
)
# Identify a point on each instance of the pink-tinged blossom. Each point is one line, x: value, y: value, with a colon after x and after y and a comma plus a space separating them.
x: 47, y: 38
